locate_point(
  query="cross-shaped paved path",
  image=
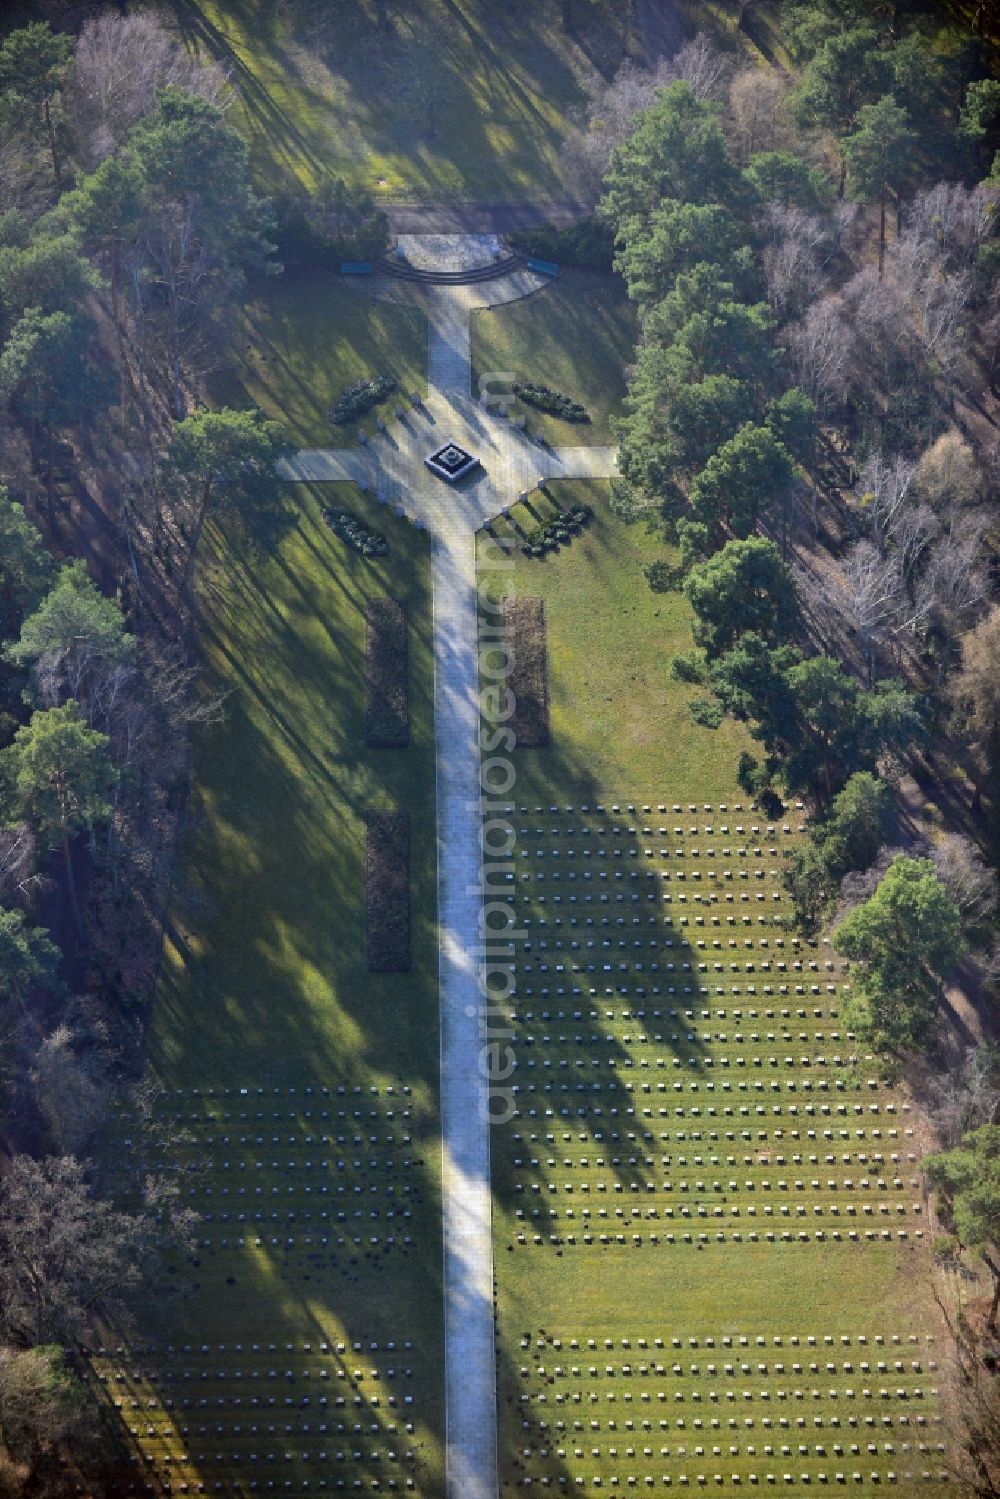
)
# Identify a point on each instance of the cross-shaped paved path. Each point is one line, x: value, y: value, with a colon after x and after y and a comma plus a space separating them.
x: 393, y: 466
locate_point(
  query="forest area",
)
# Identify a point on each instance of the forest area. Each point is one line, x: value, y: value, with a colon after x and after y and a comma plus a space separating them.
x: 811, y: 427
x: 128, y: 224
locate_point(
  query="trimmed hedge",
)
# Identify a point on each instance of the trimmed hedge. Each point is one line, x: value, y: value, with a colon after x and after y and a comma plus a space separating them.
x: 547, y: 399
x: 387, y: 882
x: 524, y: 621
x: 558, y: 531
x: 587, y: 243
x: 359, y: 398
x: 350, y: 529
x: 387, y: 675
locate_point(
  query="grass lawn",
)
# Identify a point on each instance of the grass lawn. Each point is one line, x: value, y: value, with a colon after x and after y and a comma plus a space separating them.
x: 680, y: 956
x: 306, y: 335
x: 576, y: 336
x: 442, y: 100
x: 265, y: 985
x: 619, y: 724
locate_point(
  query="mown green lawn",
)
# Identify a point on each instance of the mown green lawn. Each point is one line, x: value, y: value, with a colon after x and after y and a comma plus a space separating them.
x: 619, y: 725
x: 577, y: 336
x: 621, y: 732
x: 433, y: 99
x: 264, y: 980
x: 303, y: 337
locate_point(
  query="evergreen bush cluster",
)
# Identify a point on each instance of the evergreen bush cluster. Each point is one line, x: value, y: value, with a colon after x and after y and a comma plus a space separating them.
x: 547, y: 399
x: 360, y: 397
x: 563, y: 526
x: 321, y: 233
x: 350, y: 529
x: 591, y: 242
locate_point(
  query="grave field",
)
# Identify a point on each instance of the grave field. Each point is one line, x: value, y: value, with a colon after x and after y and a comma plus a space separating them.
x: 709, y: 1221
x: 304, y: 1348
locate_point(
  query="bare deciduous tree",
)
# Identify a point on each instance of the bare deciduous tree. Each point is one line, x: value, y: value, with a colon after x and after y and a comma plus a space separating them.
x: 973, y: 1459
x: 939, y: 304
x: 971, y: 882
x: 947, y: 223
x: 883, y: 492
x: 758, y: 119
x: 19, y: 878
x: 883, y: 341
x: 797, y: 249
x: 119, y: 63
x: 701, y: 65
x: 72, y: 1083
x: 975, y: 692
x: 948, y: 473
x: 954, y: 583
x: 65, y: 1254
x: 820, y: 347
x: 870, y: 598
x: 608, y: 122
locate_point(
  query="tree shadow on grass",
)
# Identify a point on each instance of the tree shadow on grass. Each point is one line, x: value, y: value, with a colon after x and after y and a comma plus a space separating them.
x: 265, y: 988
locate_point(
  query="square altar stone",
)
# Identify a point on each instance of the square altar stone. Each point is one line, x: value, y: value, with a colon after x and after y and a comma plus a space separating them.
x: 451, y: 462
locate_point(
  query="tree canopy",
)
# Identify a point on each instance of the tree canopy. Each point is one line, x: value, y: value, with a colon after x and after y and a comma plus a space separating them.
x: 745, y: 586
x: 969, y: 1178
x: 742, y: 479
x: 901, y: 943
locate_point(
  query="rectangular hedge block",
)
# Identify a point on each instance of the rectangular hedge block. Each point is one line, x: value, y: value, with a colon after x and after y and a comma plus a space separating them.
x: 387, y: 878
x: 387, y: 675
x: 525, y: 622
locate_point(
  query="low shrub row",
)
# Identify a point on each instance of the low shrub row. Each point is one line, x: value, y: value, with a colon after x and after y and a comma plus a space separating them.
x: 387, y: 881
x: 358, y: 536
x: 563, y: 526
x: 524, y: 622
x: 360, y: 397
x: 387, y: 675
x: 554, y: 401
x: 589, y: 242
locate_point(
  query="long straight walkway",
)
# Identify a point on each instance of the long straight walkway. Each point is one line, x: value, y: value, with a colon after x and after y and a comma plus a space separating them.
x: 470, y: 1367
x: 470, y: 1371
x: 393, y: 465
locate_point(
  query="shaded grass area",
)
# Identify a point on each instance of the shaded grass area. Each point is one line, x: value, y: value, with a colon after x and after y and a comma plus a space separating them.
x: 577, y: 336
x: 432, y: 99
x: 303, y: 337
x: 281, y: 790
x: 617, y: 720
x: 266, y: 1006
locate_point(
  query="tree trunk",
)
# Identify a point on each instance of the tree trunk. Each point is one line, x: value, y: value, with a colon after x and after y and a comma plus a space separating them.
x: 991, y: 1321
x: 71, y: 886
x: 881, y: 232
x: 199, y: 526
x: 842, y: 179
x: 53, y: 148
